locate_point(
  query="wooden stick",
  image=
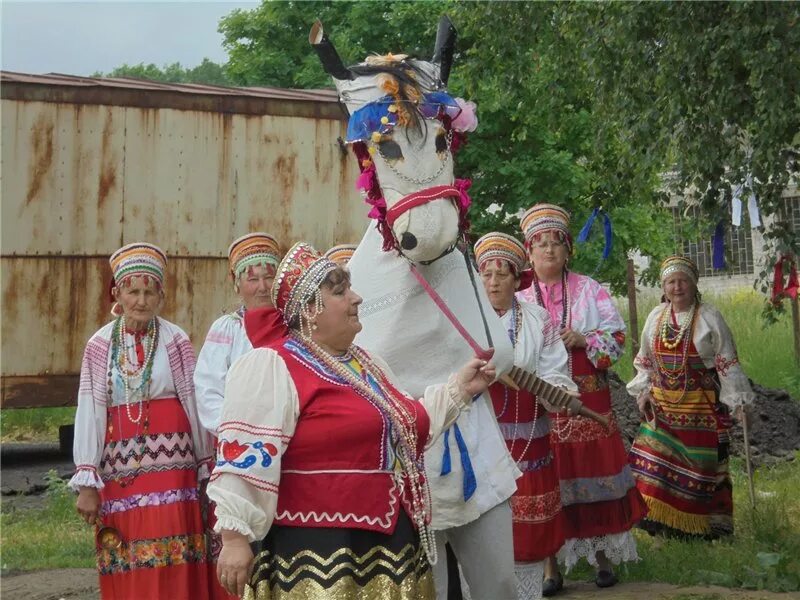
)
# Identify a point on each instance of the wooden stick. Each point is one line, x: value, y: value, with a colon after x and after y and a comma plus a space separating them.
x: 747, y: 459
x: 554, y: 395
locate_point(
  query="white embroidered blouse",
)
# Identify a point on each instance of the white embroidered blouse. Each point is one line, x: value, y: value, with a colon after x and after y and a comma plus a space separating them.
x: 260, y: 395
x: 226, y: 341
x: 714, y: 343
x: 173, y: 364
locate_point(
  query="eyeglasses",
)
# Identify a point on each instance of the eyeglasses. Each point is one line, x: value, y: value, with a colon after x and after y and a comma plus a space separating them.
x: 546, y: 245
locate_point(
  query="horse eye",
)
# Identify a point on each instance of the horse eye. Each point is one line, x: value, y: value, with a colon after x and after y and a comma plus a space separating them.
x: 441, y: 142
x: 390, y: 150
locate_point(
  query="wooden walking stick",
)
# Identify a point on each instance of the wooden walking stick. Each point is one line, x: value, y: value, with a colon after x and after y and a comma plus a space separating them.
x: 747, y: 459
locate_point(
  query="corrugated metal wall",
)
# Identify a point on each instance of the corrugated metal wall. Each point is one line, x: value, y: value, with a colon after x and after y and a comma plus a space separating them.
x: 80, y: 180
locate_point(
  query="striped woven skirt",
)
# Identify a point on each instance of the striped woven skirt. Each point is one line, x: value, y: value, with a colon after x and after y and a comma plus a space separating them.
x: 341, y: 563
x: 151, y: 498
x: 681, y: 463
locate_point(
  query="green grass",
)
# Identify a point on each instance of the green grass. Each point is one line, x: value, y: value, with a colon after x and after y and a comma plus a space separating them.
x: 52, y: 537
x: 765, y: 351
x: 34, y: 424
x: 764, y: 553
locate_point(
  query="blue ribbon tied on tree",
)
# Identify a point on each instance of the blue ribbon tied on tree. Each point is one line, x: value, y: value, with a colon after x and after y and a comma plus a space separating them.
x: 470, y: 482
x: 718, y: 246
x: 586, y: 231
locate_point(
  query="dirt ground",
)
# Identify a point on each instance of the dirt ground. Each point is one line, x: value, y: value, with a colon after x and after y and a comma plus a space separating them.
x: 81, y: 584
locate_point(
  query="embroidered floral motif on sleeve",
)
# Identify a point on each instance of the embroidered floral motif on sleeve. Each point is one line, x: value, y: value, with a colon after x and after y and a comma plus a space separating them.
x: 604, y: 348
x: 723, y: 364
x: 643, y: 361
x: 245, y: 451
x: 244, y: 456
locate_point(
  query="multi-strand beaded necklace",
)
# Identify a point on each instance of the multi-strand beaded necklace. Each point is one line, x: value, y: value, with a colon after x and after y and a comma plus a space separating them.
x: 562, y: 433
x: 513, y: 334
x: 671, y: 338
x: 129, y: 373
x: 402, y: 423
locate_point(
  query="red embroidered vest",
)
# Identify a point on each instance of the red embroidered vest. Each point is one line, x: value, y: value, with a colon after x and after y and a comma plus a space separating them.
x: 338, y: 469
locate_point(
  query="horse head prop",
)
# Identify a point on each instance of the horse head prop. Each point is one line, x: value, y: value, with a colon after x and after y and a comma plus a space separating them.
x: 404, y: 128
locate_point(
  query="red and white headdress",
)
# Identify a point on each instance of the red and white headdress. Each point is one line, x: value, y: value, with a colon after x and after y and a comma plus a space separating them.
x: 138, y: 259
x: 500, y: 246
x: 545, y: 217
x: 297, y: 282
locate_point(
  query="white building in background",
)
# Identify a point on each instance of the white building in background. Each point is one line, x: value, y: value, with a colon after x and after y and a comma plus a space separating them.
x: 744, y: 247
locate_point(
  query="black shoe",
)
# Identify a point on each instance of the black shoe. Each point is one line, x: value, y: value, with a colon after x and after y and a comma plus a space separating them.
x: 605, y: 579
x: 552, y: 586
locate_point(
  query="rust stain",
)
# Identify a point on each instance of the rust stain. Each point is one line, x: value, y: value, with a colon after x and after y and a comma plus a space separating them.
x: 108, y: 172
x: 42, y: 144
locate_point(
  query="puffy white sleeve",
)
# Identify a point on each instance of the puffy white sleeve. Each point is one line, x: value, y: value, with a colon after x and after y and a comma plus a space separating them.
x: 87, y: 447
x: 735, y: 388
x: 643, y: 363
x: 213, y: 363
x: 540, y: 350
x: 443, y: 402
x: 258, y: 419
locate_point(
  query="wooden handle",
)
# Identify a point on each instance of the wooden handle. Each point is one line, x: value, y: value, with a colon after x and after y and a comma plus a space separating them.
x: 554, y: 396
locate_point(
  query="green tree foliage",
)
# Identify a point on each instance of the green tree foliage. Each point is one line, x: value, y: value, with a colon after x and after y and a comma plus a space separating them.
x: 582, y: 104
x: 536, y: 139
x: 207, y: 72
x: 709, y: 91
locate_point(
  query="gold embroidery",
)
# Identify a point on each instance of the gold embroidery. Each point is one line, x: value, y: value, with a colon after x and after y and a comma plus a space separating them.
x: 318, y: 577
x: 380, y: 587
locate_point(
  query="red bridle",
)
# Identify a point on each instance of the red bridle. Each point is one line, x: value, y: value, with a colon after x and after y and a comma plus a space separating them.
x: 420, y: 197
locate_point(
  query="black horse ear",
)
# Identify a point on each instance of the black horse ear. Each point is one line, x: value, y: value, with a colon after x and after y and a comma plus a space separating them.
x: 445, y: 47
x: 328, y: 56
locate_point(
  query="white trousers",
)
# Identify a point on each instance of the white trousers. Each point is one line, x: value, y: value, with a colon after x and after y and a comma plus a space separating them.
x: 485, y: 551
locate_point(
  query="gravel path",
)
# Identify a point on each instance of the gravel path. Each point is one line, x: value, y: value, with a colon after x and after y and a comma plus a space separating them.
x: 81, y: 584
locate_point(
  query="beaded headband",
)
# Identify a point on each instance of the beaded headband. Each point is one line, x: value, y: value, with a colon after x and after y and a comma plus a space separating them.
x: 138, y: 260
x: 676, y: 263
x: 297, y: 280
x: 253, y: 249
x: 545, y: 217
x: 341, y: 254
x: 500, y: 246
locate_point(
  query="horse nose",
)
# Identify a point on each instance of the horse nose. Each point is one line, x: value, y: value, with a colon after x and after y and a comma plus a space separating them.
x: 408, y: 241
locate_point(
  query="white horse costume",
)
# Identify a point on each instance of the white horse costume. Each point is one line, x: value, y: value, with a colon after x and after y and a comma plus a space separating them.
x: 402, y: 127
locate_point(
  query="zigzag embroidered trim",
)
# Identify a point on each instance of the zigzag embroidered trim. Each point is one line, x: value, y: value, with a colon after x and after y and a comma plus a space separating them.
x: 324, y: 517
x: 380, y: 573
x: 249, y: 428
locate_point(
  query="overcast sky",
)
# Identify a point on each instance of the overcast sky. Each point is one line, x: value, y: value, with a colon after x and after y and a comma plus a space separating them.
x: 80, y: 38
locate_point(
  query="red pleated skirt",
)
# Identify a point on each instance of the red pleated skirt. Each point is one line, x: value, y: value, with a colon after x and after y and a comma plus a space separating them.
x: 151, y: 497
x: 537, y: 519
x: 598, y: 492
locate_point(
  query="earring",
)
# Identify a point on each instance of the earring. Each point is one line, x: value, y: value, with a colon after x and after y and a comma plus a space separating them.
x: 116, y: 310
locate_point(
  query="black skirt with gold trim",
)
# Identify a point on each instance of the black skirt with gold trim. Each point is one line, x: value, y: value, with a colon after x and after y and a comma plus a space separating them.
x: 338, y: 564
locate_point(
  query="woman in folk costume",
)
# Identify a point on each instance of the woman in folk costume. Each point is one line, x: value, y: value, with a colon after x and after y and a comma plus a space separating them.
x: 321, y: 456
x: 598, y: 492
x: 341, y: 254
x: 688, y: 380
x: 253, y: 259
x: 139, y: 448
x: 538, y: 522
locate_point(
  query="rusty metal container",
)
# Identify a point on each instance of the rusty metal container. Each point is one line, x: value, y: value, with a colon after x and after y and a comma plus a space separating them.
x: 91, y: 164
